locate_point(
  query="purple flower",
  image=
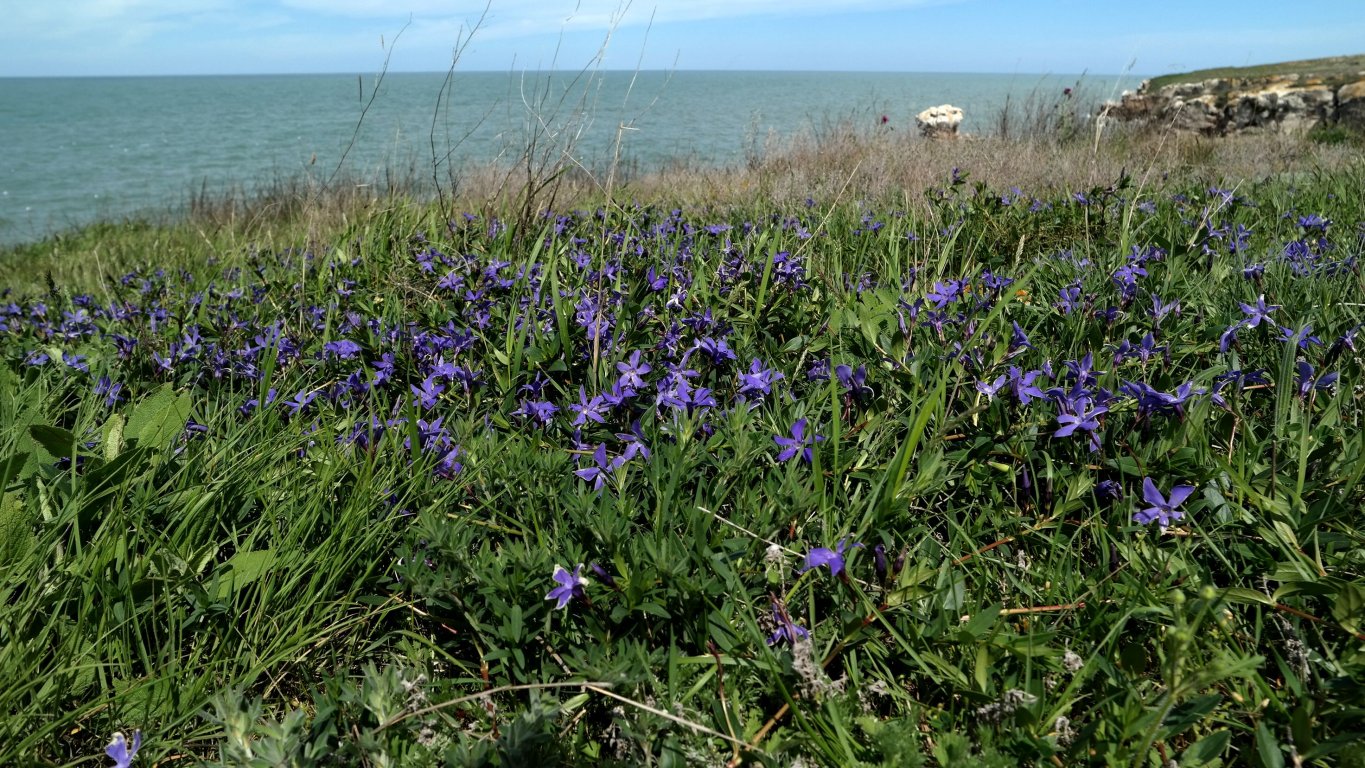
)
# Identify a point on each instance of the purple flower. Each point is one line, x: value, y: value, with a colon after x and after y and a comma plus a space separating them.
x: 1313, y: 222
x: 110, y: 390
x: 1162, y: 510
x: 1025, y: 390
x: 119, y: 752
x: 798, y: 443
x: 786, y: 628
x: 603, y: 468
x: 633, y: 372
x: 603, y: 574
x: 570, y: 585
x: 1160, y: 309
x: 1229, y: 336
x: 428, y: 392
x: 759, y: 380
x: 300, y: 402
x: 944, y: 294
x: 1070, y: 299
x: 1078, y: 414
x: 854, y: 381
x: 990, y: 389
x: 586, y: 409
x: 634, y: 440
x: 1083, y: 370
x: 1257, y: 312
x: 251, y: 405
x: 1303, y: 337
x: 75, y: 361
x: 1082, y: 417
x: 833, y: 559
x: 716, y: 349
x: 540, y: 411
x: 1307, y: 383
x: 1109, y: 490
x: 342, y: 350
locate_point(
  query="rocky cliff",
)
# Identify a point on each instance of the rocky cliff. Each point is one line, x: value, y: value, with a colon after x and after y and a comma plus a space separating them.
x: 1224, y: 105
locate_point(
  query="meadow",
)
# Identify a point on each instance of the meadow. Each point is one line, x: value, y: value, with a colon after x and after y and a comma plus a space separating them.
x: 821, y: 463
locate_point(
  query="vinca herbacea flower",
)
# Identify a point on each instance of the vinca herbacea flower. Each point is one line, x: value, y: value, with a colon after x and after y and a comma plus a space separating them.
x: 1079, y: 414
x: 1163, y: 509
x: 121, y: 752
x: 570, y: 585
x: 1307, y: 382
x: 854, y: 381
x: 786, y: 628
x: 833, y: 559
x: 1257, y: 312
x: 758, y: 381
x: 632, y: 371
x: 798, y: 443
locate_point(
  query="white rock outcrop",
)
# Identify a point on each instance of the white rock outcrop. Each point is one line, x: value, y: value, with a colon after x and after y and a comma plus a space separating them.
x: 941, y: 122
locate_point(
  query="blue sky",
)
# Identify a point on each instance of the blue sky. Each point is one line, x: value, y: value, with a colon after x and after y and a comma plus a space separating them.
x: 145, y: 37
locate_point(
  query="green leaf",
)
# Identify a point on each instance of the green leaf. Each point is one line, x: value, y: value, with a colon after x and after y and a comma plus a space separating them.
x: 11, y: 466
x: 1267, y: 748
x: 981, y: 623
x: 16, y: 531
x: 1207, y: 749
x: 55, y: 440
x: 910, y: 584
x: 242, y: 569
x: 116, y: 471
x: 1349, y: 607
x: 1246, y: 596
x: 654, y: 609
x: 158, y: 419
x: 113, y: 436
x: 1190, y: 713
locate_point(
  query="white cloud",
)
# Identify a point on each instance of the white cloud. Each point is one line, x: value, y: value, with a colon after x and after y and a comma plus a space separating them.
x: 541, y: 16
x: 70, y: 36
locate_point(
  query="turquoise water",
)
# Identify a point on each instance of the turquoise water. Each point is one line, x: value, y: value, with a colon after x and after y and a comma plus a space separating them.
x: 76, y: 149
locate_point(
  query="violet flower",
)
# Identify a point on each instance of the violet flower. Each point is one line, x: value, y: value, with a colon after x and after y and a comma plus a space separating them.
x: 833, y: 559
x: 854, y: 381
x: 759, y: 380
x: 786, y: 628
x: 798, y: 443
x: 991, y: 388
x: 1257, y: 312
x: 570, y: 586
x: 633, y: 371
x: 587, y: 409
x: 1163, y: 509
x: 118, y: 749
x: 601, y: 469
x: 1307, y: 383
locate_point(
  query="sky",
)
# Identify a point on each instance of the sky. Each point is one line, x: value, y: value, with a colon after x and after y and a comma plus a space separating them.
x: 198, y: 37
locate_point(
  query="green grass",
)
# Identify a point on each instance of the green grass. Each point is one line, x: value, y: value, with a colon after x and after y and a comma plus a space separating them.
x: 248, y: 585
x: 1333, y: 70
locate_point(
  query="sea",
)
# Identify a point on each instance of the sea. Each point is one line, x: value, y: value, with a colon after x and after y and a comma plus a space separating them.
x: 75, y: 150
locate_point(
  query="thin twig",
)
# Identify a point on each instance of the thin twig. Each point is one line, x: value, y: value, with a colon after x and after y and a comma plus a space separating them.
x: 396, y: 719
x: 699, y: 728
x: 374, y: 93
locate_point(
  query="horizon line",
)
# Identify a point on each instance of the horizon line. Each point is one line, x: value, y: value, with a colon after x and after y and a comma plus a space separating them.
x: 575, y: 71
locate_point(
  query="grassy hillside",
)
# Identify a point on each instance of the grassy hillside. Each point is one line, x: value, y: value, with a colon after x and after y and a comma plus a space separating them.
x: 1035, y: 472
x: 1335, y: 70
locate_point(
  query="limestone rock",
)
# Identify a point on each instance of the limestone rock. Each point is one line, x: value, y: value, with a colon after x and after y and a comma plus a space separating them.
x: 1198, y: 113
x: 939, y: 122
x: 1220, y: 106
x: 1351, y: 105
